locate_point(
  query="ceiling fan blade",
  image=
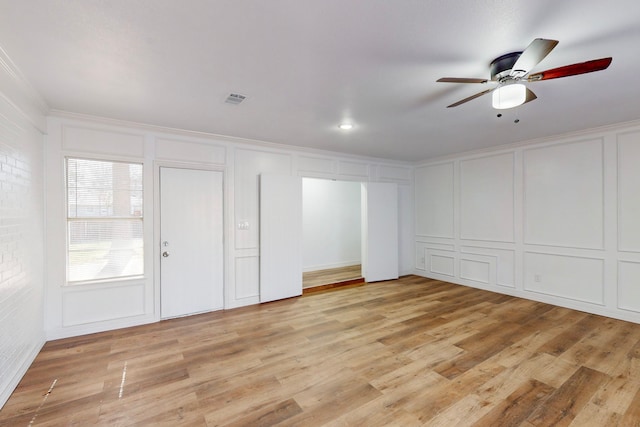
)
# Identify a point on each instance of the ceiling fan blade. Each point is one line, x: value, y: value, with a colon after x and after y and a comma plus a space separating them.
x: 537, y: 50
x: 470, y: 98
x: 530, y: 96
x: 572, y: 70
x: 460, y: 80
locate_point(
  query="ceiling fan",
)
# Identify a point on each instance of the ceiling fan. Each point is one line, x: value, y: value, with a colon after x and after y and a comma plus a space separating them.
x: 512, y: 70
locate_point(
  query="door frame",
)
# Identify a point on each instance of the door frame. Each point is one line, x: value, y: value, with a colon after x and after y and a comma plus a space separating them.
x: 157, y: 164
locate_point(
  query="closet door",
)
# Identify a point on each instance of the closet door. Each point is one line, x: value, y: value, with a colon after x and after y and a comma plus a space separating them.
x: 280, y: 237
x: 379, y: 231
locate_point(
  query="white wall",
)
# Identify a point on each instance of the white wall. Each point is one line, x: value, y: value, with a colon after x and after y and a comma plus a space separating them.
x: 21, y: 227
x: 330, y: 224
x: 80, y: 309
x: 554, y: 220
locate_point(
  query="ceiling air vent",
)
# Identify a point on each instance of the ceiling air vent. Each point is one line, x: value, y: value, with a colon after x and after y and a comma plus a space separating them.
x: 234, y: 98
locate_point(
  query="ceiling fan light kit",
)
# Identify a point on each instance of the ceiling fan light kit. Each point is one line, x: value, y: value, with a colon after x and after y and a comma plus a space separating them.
x: 509, y: 96
x: 509, y: 71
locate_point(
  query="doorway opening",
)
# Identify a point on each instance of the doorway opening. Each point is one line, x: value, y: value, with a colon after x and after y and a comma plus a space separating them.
x: 332, y: 233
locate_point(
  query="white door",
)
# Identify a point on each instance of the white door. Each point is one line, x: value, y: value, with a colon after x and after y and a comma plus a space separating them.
x: 280, y: 237
x: 379, y: 231
x: 191, y: 241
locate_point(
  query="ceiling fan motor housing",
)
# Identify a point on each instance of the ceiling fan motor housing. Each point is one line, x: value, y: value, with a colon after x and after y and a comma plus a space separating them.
x: 502, y: 65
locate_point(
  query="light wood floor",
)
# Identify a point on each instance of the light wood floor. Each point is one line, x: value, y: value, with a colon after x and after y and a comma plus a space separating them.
x: 407, y: 352
x: 330, y: 276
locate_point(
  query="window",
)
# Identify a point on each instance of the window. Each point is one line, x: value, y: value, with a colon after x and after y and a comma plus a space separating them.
x: 104, y: 220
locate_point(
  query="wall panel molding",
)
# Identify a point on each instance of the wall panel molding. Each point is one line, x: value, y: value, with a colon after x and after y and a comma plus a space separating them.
x: 434, y: 200
x: 104, y: 142
x: 628, y: 289
x: 504, y: 262
x: 487, y: 199
x: 399, y: 174
x: 353, y: 169
x: 88, y: 304
x: 628, y: 154
x: 564, y: 194
x: 576, y: 227
x: 316, y: 165
x: 441, y: 262
x: 478, y: 268
x: 247, y: 277
x: 565, y: 276
x: 190, y: 151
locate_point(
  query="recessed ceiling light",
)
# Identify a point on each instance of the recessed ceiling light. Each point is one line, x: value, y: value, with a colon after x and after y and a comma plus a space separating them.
x: 346, y: 126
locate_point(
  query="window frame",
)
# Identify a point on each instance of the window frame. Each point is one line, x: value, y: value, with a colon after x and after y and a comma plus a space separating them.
x: 97, y: 219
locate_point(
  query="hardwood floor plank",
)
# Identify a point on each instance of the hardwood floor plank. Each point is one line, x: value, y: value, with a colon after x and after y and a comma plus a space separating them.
x: 547, y: 369
x: 270, y: 415
x: 408, y: 352
x: 574, y: 333
x: 563, y: 405
x: 631, y: 416
x: 516, y: 407
x: 342, y: 400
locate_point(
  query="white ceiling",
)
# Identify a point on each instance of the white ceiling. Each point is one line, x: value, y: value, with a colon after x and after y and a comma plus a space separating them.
x: 305, y: 65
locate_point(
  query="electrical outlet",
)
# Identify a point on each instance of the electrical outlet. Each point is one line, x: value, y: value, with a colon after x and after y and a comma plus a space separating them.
x: 244, y: 225
x: 537, y: 278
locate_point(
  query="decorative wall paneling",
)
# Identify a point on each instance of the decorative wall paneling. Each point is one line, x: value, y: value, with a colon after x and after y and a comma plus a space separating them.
x: 99, y: 141
x: 564, y: 195
x: 504, y: 262
x: 247, y: 278
x: 353, y: 169
x: 311, y: 166
x: 116, y: 302
x: 628, y: 285
x: 441, y: 262
x: 398, y: 174
x: 552, y: 220
x: 434, y: 200
x: 573, y: 277
x: 478, y: 268
x: 479, y: 190
x: 628, y: 145
x: 189, y: 151
x: 74, y: 310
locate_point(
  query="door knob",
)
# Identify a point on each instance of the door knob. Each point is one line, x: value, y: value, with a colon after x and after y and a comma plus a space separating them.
x: 165, y: 254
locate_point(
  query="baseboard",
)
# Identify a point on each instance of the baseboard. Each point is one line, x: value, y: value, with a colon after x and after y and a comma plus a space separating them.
x: 5, y: 394
x: 330, y: 266
x: 92, y: 328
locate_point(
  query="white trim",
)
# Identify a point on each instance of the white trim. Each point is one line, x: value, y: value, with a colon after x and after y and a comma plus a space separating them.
x: 226, y: 138
x: 18, y: 374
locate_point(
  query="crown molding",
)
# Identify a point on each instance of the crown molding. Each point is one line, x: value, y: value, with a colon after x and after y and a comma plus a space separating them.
x: 61, y: 114
x: 562, y: 137
x: 17, y: 91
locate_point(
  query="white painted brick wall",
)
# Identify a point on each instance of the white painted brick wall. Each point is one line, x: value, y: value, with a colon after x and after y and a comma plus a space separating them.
x: 21, y: 247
